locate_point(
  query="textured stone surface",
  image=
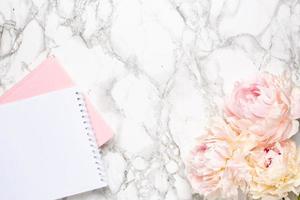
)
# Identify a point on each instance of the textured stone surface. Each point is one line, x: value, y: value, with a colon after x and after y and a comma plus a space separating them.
x: 155, y: 69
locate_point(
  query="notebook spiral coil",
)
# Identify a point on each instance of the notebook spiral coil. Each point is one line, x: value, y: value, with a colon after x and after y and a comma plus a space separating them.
x: 89, y: 132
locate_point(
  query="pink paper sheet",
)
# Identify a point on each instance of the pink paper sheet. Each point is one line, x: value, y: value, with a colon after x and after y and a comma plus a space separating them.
x: 50, y: 76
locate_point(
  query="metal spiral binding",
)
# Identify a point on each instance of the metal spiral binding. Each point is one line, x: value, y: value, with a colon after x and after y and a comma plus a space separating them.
x: 89, y: 132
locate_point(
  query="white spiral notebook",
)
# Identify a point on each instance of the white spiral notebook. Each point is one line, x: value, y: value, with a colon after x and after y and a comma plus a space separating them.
x: 47, y: 148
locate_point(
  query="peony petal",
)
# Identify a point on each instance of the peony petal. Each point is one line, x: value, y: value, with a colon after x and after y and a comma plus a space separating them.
x: 295, y: 103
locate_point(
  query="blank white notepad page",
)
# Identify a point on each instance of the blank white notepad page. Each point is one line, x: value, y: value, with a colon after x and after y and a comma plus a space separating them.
x: 46, y: 148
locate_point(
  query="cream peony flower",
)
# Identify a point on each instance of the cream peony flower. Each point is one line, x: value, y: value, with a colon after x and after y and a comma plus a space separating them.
x: 275, y: 171
x: 216, y: 166
x: 250, y: 150
x: 267, y: 106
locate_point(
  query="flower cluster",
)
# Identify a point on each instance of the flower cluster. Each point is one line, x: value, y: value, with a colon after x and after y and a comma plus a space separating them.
x: 249, y: 150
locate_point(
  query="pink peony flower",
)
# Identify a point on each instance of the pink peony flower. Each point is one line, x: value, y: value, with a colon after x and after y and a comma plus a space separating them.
x: 266, y: 106
x: 275, y: 171
x: 216, y: 166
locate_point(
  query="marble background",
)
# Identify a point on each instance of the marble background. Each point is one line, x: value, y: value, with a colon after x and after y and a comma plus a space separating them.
x: 156, y: 70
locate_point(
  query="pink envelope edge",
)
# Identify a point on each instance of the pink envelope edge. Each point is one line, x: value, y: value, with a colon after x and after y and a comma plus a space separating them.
x: 50, y: 76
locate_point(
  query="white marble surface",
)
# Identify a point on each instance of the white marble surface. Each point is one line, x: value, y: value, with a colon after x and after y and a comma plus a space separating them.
x: 155, y: 69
